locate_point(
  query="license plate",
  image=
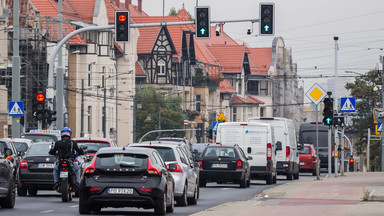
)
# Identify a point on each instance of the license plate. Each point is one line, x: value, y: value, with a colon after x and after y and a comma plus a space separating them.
x: 219, y: 165
x: 301, y: 163
x: 63, y: 174
x: 120, y: 190
x: 45, y: 165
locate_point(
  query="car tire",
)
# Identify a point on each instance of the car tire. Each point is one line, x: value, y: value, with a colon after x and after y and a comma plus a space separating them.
x: 243, y: 182
x: 290, y: 176
x: 171, y: 207
x: 161, y: 205
x: 84, y: 207
x: 269, y: 179
x: 21, y: 191
x: 182, y: 201
x: 202, y: 183
x: 296, y: 175
x: 274, y: 180
x: 10, y: 199
x: 32, y: 192
x: 193, y: 200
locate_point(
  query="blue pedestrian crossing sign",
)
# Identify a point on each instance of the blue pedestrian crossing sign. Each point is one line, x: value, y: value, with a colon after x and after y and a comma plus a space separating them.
x: 16, y: 108
x: 347, y: 104
x: 379, y: 128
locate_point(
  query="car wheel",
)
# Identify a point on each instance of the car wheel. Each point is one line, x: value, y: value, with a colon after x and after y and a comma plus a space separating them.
x: 9, y: 200
x: 182, y: 201
x: 290, y: 176
x: 269, y: 179
x: 32, y: 192
x: 243, y: 182
x: 171, y: 207
x: 161, y: 205
x: 202, y: 183
x: 84, y: 207
x: 193, y: 200
x: 21, y: 191
x: 274, y: 180
x: 296, y: 175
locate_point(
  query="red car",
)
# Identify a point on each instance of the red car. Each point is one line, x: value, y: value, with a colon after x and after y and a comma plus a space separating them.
x: 94, y: 144
x: 308, y: 159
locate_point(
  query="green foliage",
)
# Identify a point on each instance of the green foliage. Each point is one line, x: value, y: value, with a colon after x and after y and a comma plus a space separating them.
x: 173, y: 12
x: 366, y: 100
x: 147, y: 117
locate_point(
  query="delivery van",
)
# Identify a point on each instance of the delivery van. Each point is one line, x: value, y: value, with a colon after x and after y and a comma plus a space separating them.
x: 288, y: 160
x: 256, y: 140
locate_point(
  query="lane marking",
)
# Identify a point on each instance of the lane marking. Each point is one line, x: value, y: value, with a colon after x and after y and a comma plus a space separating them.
x: 47, y: 211
x: 74, y: 206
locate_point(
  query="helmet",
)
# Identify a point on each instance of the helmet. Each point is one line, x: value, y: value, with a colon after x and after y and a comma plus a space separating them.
x: 66, y: 132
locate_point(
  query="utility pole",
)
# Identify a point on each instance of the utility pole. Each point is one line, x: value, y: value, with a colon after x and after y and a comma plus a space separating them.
x: 104, y: 109
x: 342, y: 150
x: 60, y: 75
x: 336, y: 100
x: 16, y: 131
x: 82, y: 110
x: 368, y: 147
x: 382, y: 104
x: 317, y: 145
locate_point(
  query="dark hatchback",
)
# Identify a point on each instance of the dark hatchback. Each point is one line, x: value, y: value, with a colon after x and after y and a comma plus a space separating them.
x: 36, y: 170
x: 127, y: 177
x: 7, y: 180
x: 224, y: 164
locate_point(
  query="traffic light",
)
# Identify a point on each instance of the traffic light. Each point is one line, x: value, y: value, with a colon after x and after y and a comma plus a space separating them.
x: 328, y: 111
x: 267, y: 21
x: 38, y: 106
x: 351, y: 164
x: 338, y: 120
x: 209, y: 133
x: 203, y: 22
x: 49, y: 116
x: 122, y: 26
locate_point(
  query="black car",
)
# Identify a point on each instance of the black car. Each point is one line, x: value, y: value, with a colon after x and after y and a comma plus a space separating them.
x: 36, y: 170
x: 223, y: 164
x: 127, y: 177
x: 9, y: 149
x: 7, y: 179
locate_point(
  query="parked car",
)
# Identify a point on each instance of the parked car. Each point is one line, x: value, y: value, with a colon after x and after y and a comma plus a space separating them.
x: 93, y: 144
x: 12, y: 155
x: 42, y: 135
x: 7, y: 179
x: 127, y: 177
x: 308, y: 159
x: 186, y: 177
x: 223, y: 164
x: 36, y: 169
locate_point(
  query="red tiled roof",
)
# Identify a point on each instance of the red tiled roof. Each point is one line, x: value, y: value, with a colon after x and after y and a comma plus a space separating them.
x: 138, y: 69
x: 225, y: 87
x: 230, y: 57
x: 84, y: 8
x: 260, y: 60
x: 50, y: 8
x: 240, y: 100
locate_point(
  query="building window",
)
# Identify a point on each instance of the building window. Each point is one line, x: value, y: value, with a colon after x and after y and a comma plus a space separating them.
x: 234, y: 115
x: 89, y: 74
x: 264, y: 88
x: 161, y: 67
x: 261, y: 111
x: 198, y: 103
x: 161, y: 48
x: 250, y: 114
x: 253, y: 87
x: 89, y: 119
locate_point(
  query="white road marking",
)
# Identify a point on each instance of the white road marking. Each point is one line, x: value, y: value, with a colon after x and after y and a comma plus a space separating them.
x: 47, y: 211
x: 74, y: 206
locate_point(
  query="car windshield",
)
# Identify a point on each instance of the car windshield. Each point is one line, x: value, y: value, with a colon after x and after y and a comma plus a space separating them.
x: 2, y: 146
x: 119, y: 160
x: 93, y: 147
x: 20, y: 146
x: 220, y: 152
x: 38, y: 150
x: 305, y: 150
x: 199, y: 147
x: 39, y: 138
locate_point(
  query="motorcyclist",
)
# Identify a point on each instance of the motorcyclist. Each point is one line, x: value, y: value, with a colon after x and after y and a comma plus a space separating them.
x: 66, y: 149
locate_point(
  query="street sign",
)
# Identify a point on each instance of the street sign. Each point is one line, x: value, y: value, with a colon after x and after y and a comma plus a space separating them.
x: 16, y: 108
x: 214, y: 125
x: 379, y: 128
x: 186, y: 122
x: 348, y: 104
x: 316, y: 93
x: 221, y: 117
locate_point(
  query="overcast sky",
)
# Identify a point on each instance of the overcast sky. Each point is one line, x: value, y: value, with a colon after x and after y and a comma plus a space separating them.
x: 308, y: 27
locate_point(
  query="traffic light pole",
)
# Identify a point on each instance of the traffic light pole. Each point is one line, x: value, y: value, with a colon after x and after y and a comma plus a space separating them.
x: 342, y: 151
x: 329, y: 150
x: 336, y: 150
x: 368, y: 148
x: 317, y: 146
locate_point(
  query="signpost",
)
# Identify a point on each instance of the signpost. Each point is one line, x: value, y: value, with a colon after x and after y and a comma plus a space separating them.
x: 316, y: 95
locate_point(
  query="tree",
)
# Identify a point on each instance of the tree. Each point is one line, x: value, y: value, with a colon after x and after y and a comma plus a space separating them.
x: 173, y: 12
x: 147, y: 117
x: 366, y: 100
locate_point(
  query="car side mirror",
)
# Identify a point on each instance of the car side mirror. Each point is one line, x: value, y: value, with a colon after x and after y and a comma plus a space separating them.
x: 8, y: 152
x: 195, y: 151
x: 249, y: 158
x: 172, y: 167
x: 299, y: 146
x: 279, y: 146
x: 2, y: 156
x: 199, y: 158
x: 196, y: 164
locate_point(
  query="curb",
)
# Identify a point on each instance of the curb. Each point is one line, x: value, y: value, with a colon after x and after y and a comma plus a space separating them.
x: 375, y: 197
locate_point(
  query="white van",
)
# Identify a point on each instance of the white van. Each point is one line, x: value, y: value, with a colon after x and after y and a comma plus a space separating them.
x: 256, y: 140
x: 288, y: 161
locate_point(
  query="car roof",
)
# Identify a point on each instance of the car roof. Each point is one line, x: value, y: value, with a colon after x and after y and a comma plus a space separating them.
x: 125, y: 150
x: 165, y: 142
x: 97, y: 139
x: 150, y: 144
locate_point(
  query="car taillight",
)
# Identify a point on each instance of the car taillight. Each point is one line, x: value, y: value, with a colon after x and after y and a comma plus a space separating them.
x: 152, y: 170
x: 178, y: 168
x: 333, y: 152
x: 95, y: 189
x: 145, y: 189
x: 239, y: 165
x: 200, y: 164
x: 64, y: 164
x: 269, y: 151
x: 23, y: 164
x: 91, y: 168
x: 287, y: 152
x: 10, y: 158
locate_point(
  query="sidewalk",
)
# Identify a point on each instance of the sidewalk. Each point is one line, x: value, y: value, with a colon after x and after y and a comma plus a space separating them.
x: 353, y: 194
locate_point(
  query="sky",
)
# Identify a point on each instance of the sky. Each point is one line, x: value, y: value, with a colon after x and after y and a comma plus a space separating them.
x: 308, y: 27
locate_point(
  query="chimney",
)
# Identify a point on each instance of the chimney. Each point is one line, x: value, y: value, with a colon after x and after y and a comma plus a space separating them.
x: 140, y: 5
x: 127, y: 3
x: 117, y: 2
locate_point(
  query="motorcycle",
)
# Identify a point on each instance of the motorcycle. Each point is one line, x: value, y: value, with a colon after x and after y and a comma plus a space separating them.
x: 67, y: 182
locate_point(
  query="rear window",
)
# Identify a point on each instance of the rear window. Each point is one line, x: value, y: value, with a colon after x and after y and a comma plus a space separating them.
x: 305, y: 150
x: 118, y: 160
x: 220, y: 152
x: 38, y: 150
x: 199, y: 148
x: 93, y: 147
x: 165, y: 152
x: 19, y: 145
x: 40, y: 137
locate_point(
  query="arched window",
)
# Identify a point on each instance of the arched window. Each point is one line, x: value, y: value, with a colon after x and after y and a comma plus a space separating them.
x: 161, y: 67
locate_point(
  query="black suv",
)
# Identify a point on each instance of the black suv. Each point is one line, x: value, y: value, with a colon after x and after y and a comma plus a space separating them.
x: 127, y: 177
x: 224, y: 164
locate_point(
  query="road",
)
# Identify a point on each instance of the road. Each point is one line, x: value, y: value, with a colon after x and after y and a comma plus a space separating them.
x: 49, y: 202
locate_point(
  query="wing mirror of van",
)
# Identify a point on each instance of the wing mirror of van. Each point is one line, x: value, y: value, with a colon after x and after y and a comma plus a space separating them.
x: 279, y: 146
x: 249, y: 158
x: 300, y: 146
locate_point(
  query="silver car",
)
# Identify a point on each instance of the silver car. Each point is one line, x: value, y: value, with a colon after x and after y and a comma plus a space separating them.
x: 185, y: 176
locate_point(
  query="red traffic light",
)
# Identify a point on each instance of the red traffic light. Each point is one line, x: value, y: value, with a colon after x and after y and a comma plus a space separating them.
x: 40, y: 97
x: 351, y: 160
x: 122, y: 18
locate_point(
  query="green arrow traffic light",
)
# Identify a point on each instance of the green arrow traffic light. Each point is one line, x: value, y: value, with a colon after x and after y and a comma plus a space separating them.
x: 328, y: 120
